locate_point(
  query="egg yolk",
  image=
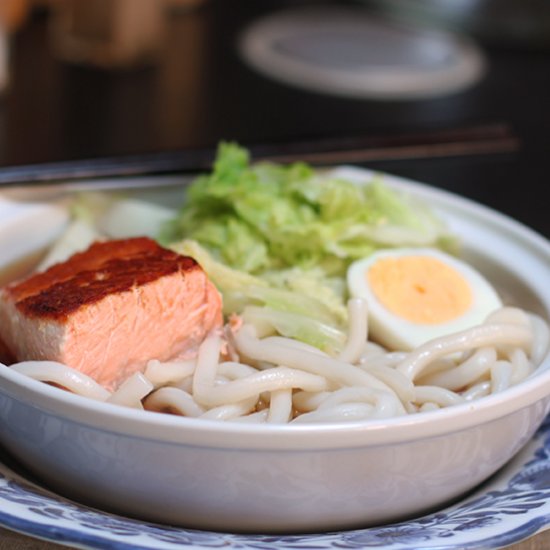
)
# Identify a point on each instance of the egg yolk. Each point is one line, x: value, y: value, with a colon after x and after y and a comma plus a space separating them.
x: 420, y: 289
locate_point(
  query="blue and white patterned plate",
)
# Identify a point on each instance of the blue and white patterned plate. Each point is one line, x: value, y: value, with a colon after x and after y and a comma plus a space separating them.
x: 510, y: 507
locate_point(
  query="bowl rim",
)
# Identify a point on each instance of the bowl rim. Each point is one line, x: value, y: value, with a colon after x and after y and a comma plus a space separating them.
x: 177, y: 430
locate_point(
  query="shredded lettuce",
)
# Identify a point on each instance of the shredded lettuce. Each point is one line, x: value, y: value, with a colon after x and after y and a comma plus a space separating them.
x: 293, y: 313
x: 118, y: 216
x: 78, y: 236
x: 277, y: 240
x: 100, y: 215
x: 263, y: 217
x: 82, y: 230
x: 301, y: 327
x: 129, y: 217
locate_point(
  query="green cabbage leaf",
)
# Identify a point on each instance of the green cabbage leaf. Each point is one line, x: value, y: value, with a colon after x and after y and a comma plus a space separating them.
x: 277, y: 239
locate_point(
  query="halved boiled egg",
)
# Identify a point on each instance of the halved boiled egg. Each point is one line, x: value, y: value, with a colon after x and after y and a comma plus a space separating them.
x: 417, y: 294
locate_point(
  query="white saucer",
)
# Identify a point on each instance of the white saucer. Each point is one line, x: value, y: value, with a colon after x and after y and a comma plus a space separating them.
x: 349, y: 52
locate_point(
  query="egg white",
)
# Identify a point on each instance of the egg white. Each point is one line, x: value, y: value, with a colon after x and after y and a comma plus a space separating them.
x: 398, y: 333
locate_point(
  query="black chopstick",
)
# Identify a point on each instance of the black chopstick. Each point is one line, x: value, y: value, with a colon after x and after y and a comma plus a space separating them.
x: 493, y: 138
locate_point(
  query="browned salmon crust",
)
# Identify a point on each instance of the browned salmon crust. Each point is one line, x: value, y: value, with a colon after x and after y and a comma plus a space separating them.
x: 108, y: 310
x: 105, y: 268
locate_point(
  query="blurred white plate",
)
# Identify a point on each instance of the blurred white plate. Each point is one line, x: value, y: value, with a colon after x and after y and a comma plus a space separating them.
x: 349, y: 52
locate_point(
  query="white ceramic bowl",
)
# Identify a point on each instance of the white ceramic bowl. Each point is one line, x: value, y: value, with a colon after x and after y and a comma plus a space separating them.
x: 244, y: 477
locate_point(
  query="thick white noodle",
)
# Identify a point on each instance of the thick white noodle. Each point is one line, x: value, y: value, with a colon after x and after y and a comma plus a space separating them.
x: 463, y: 375
x: 428, y: 406
x: 277, y: 378
x: 343, y: 373
x: 62, y: 375
x: 232, y: 370
x: 132, y: 391
x: 439, y: 396
x: 293, y: 344
x: 480, y: 336
x: 442, y: 364
x: 522, y: 367
x: 170, y: 372
x: 388, y: 359
x: 231, y: 351
x: 207, y: 363
x: 385, y: 405
x: 357, y: 331
x: 397, y: 381
x: 541, y: 339
x: 280, y: 406
x: 539, y: 328
x: 501, y: 374
x: 207, y: 393
x: 173, y: 399
x: 232, y: 411
x: 371, y: 349
x: 186, y: 385
x: 344, y: 412
x: 258, y: 417
x: 305, y: 401
x: 478, y: 390
x: 512, y: 315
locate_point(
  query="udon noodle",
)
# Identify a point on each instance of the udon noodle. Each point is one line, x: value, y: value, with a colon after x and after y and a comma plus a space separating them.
x: 248, y: 374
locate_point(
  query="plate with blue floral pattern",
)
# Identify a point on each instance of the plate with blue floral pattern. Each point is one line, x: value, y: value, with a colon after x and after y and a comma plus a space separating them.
x: 513, y: 505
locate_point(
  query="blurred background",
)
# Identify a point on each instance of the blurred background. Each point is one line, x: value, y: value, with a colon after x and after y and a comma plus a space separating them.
x: 454, y: 93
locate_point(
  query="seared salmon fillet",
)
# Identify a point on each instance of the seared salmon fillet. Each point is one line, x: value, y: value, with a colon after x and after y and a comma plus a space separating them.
x: 108, y: 310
